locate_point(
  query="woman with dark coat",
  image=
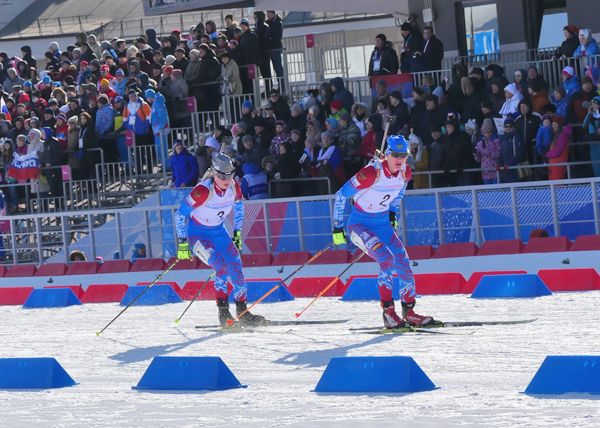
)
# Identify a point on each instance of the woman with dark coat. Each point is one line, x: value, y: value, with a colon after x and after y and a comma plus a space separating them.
x: 90, y: 157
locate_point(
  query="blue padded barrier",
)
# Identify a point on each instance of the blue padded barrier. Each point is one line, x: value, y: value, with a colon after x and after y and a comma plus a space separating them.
x: 51, y: 298
x: 33, y: 373
x: 188, y: 374
x: 374, y: 374
x: 513, y: 285
x: 567, y: 373
x: 158, y: 294
x: 366, y: 289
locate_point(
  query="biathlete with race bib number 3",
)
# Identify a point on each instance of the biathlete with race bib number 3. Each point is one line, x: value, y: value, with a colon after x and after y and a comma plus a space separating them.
x: 199, y: 222
x: 377, y: 190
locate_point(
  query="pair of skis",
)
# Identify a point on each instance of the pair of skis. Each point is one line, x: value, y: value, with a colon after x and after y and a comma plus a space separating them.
x: 367, y: 330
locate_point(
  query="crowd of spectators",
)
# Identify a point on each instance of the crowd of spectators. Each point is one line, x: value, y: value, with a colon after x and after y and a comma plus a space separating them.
x: 93, y: 91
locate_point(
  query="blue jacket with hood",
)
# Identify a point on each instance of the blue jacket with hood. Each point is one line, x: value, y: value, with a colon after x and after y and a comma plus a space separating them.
x: 342, y: 94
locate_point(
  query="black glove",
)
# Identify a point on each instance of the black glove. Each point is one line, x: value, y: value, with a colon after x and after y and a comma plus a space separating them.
x: 393, y: 220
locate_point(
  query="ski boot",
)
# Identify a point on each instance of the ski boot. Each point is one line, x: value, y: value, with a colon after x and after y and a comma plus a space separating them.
x: 390, y: 317
x: 224, y: 314
x: 413, y: 318
x: 248, y: 318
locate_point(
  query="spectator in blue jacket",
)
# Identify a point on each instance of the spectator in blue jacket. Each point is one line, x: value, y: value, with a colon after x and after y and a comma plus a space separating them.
x: 184, y: 167
x: 254, y: 183
x: 570, y: 81
x: 160, y: 125
x: 139, y: 251
x: 341, y: 93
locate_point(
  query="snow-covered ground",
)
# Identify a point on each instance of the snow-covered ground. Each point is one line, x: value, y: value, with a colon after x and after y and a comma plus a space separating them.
x: 479, y: 375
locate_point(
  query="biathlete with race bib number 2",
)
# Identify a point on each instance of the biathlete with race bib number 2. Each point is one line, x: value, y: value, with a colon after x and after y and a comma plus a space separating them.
x: 199, y: 222
x: 377, y: 190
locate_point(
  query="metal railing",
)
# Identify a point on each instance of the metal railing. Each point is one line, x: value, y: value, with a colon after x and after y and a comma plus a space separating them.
x: 434, y: 216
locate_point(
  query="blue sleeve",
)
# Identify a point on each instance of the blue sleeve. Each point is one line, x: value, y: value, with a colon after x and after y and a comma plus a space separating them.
x: 244, y: 188
x: 182, y: 216
x: 238, y: 215
x: 193, y: 175
x: 347, y: 191
x: 395, y: 204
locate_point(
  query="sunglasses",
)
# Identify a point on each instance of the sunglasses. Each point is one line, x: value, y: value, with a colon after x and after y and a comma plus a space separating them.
x: 224, y: 176
x: 486, y: 131
x: 399, y: 154
x: 508, y: 126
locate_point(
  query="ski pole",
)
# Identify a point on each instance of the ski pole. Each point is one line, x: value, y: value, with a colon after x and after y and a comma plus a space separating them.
x: 229, y: 322
x: 195, y: 297
x: 140, y: 295
x: 330, y: 284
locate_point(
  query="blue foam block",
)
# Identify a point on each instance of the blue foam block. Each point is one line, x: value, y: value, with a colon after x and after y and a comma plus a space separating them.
x: 257, y: 289
x: 366, y: 289
x: 51, y: 298
x: 188, y: 374
x: 567, y: 373
x: 158, y: 294
x: 373, y: 374
x: 33, y: 373
x: 514, y: 285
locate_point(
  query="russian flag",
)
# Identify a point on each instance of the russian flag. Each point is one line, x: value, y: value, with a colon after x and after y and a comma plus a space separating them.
x: 395, y: 82
x: 24, y: 167
x: 3, y: 109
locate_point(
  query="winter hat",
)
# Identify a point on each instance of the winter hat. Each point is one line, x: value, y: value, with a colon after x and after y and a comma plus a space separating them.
x: 119, y: 72
x: 509, y: 121
x: 104, y: 82
x: 382, y: 37
x: 396, y: 94
x: 247, y: 138
x: 242, y: 126
x: 84, y: 63
x: 95, y: 63
x: 52, y: 102
x: 587, y: 33
x: 168, y: 69
x: 560, y: 120
x: 471, y: 124
x: 150, y: 93
x: 46, y: 79
x: 296, y: 131
x: 297, y: 108
x: 596, y: 100
x: 406, y: 27
x: 587, y: 79
x: 212, y: 142
x: 568, y: 70
x: 337, y: 104
x: 346, y: 117
x: 104, y: 67
x: 49, y: 55
x: 62, y: 117
x: 248, y: 104
x: 118, y: 100
x: 535, y: 85
x: 546, y: 116
x: 28, y: 83
x: 478, y: 71
x: 512, y: 88
x: 381, y: 82
x: 314, y: 110
x: 178, y: 142
x: 432, y: 97
x: 170, y: 59
x: 326, y: 134
x: 176, y: 72
x: 561, y: 91
x: 573, y: 30
x: 195, y: 52
x: 53, y: 45
x: 487, y: 125
x: 245, y: 22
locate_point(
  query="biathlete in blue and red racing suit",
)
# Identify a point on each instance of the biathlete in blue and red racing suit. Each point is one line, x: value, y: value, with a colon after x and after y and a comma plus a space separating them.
x: 199, y: 223
x: 377, y: 190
